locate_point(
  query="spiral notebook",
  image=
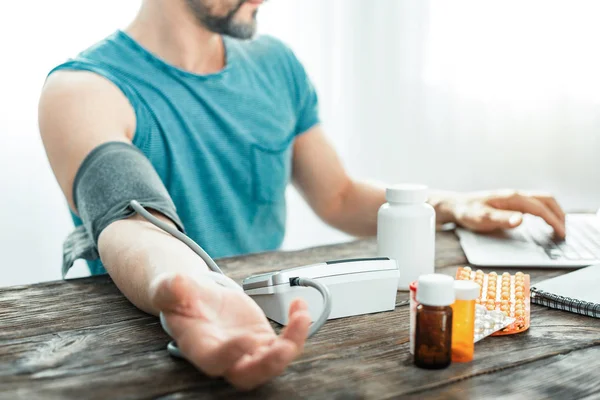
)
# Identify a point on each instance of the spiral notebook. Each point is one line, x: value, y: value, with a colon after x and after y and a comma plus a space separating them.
x: 576, y: 292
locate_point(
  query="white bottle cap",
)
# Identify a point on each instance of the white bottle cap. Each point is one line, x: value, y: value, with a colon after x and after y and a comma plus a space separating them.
x: 435, y: 290
x: 406, y: 193
x: 466, y: 290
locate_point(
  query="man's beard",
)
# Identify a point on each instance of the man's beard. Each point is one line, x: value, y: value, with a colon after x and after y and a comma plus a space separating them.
x: 224, y: 25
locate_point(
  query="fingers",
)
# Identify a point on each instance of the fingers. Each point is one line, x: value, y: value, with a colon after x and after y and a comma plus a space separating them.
x: 531, y: 205
x: 250, y: 358
x: 553, y: 205
x: 270, y: 361
x: 255, y: 370
x: 298, y: 325
x: 297, y: 305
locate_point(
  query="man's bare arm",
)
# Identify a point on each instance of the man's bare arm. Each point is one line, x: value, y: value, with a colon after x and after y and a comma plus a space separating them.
x: 352, y: 206
x: 341, y: 202
x: 78, y: 112
x: 219, y: 330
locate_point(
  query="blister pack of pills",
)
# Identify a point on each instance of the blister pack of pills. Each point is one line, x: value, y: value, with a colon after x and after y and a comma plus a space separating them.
x: 503, y: 295
x: 487, y: 322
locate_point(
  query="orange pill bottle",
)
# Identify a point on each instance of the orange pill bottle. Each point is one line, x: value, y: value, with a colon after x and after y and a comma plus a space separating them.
x: 463, y: 321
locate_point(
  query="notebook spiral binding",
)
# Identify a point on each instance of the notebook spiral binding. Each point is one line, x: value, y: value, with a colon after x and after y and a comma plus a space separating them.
x: 546, y: 299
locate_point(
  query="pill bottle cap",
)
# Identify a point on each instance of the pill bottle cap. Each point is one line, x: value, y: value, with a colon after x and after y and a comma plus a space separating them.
x: 466, y: 290
x: 435, y: 290
x: 413, y: 286
x: 406, y: 193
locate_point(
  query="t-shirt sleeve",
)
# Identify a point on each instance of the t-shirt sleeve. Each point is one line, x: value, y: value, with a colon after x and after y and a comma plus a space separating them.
x: 308, y: 104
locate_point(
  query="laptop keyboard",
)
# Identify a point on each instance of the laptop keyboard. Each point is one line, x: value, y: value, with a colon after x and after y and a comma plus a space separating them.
x: 582, y: 242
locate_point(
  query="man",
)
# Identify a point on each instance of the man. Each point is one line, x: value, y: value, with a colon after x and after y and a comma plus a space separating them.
x: 224, y: 123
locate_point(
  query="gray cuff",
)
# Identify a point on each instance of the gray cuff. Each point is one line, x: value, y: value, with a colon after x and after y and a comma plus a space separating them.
x: 110, y: 177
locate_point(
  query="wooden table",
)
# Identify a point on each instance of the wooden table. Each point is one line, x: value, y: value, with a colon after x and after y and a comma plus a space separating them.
x: 83, y: 339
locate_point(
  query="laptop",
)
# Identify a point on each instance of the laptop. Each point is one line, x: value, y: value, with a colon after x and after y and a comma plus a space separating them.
x: 533, y: 244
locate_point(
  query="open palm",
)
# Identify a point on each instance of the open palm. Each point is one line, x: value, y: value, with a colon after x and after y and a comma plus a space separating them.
x: 224, y: 333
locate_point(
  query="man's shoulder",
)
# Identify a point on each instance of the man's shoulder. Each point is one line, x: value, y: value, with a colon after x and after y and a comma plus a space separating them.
x: 109, y: 53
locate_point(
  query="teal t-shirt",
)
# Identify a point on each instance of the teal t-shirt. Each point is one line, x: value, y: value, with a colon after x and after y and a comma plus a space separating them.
x: 221, y: 143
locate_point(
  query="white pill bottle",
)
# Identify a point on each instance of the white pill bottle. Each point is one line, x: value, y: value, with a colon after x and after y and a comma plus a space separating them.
x: 406, y: 232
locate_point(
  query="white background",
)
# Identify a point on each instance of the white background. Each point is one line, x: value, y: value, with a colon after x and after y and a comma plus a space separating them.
x: 461, y: 95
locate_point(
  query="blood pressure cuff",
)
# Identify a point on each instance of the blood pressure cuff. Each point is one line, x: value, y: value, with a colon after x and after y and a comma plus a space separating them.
x: 110, y: 177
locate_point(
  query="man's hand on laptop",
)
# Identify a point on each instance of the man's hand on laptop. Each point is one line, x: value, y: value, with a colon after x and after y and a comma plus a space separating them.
x: 488, y: 211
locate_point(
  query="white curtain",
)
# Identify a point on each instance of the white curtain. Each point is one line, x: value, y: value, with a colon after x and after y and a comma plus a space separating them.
x: 35, y: 36
x: 463, y: 95
x: 456, y: 94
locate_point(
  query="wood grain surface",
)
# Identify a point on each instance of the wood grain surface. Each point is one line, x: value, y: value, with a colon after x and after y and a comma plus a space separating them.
x: 82, y: 339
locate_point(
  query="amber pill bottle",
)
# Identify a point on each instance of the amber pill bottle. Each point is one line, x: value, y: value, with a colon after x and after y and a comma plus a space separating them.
x: 433, y: 333
x: 463, y: 320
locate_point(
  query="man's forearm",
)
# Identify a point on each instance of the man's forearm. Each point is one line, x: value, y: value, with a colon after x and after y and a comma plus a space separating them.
x: 360, y: 203
x: 356, y: 209
x: 135, y: 252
